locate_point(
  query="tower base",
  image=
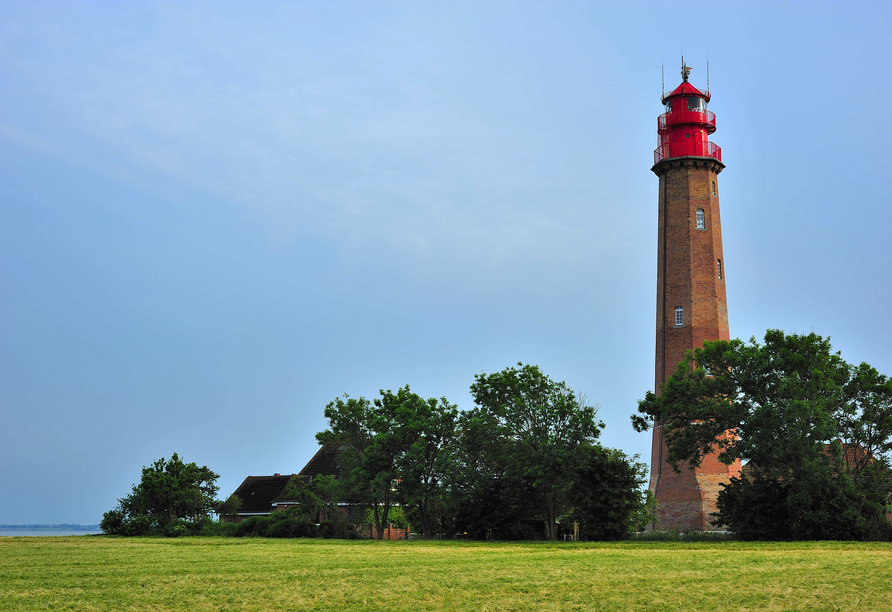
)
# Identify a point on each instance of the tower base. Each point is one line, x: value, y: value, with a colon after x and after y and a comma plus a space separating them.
x: 687, y: 500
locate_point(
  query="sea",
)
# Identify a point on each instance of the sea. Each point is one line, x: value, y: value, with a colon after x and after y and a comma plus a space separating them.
x: 14, y: 531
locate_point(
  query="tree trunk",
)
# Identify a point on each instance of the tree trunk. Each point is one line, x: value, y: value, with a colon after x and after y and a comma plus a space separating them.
x: 381, y: 518
x: 551, y: 514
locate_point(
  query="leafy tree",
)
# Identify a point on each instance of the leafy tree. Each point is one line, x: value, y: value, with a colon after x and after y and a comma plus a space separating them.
x: 230, y: 507
x: 606, y: 493
x: 815, y: 432
x: 393, y: 452
x: 168, y: 490
x: 368, y: 467
x: 522, y: 439
x: 327, y: 490
x: 316, y: 498
x: 646, y: 514
x: 424, y: 431
x: 309, y: 503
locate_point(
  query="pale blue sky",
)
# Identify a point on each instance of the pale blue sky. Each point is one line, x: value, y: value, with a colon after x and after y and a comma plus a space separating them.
x: 216, y: 217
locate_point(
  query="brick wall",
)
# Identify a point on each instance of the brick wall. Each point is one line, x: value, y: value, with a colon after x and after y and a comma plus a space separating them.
x: 688, y: 277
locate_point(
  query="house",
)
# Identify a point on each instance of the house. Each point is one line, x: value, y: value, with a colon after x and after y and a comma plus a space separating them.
x: 261, y: 495
x: 258, y: 495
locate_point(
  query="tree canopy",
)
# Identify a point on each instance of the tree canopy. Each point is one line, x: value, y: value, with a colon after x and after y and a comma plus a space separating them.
x: 169, y: 490
x: 814, y: 432
x: 393, y: 452
x: 527, y: 428
x: 525, y: 457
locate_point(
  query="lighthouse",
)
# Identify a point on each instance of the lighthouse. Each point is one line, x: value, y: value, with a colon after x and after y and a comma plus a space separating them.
x: 691, y: 274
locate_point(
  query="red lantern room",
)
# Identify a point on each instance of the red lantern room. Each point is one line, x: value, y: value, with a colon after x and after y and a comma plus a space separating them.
x: 684, y: 128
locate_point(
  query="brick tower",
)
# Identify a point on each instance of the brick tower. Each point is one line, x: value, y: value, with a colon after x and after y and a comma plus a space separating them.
x: 691, y: 302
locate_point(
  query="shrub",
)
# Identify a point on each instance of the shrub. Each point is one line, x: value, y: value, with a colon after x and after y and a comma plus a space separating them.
x: 336, y: 529
x: 219, y: 529
x: 113, y: 522
x: 138, y: 526
x: 255, y: 526
x: 292, y: 528
x: 177, y: 529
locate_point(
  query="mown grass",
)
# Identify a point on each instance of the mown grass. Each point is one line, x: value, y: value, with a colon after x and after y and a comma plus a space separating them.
x: 104, y: 573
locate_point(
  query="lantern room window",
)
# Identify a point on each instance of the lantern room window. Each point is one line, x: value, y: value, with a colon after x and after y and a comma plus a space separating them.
x: 696, y: 104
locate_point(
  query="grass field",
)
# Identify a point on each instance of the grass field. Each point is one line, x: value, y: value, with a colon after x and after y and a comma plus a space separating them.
x: 103, y: 573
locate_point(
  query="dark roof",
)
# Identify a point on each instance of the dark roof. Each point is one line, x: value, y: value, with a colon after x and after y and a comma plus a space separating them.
x: 258, y: 492
x: 326, y: 461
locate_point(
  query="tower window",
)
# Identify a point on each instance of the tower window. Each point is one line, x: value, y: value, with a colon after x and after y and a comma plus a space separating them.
x: 714, y: 192
x: 719, y: 266
x: 698, y: 105
x: 679, y: 316
x: 701, y: 219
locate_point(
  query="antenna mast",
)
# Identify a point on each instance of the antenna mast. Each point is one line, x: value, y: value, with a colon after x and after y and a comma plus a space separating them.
x: 707, y: 72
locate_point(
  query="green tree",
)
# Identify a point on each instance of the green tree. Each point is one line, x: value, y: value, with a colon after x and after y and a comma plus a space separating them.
x: 393, y: 454
x: 169, y: 490
x: 606, y: 494
x: 230, y: 507
x: 425, y: 431
x: 303, y: 492
x: 525, y: 432
x: 368, y: 468
x: 814, y: 431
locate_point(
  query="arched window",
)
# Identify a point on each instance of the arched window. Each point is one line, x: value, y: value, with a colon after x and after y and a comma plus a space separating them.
x: 714, y: 192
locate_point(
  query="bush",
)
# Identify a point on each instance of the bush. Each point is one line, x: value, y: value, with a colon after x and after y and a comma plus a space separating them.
x: 255, y: 526
x: 212, y: 528
x: 339, y: 529
x: 138, y: 526
x: 292, y: 528
x: 113, y: 523
x: 177, y: 529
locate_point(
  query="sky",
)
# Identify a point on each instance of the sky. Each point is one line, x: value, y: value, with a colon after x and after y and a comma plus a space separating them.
x: 215, y: 218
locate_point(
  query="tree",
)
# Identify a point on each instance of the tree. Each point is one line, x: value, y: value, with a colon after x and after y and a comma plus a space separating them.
x: 526, y: 429
x: 606, y: 494
x: 308, y: 502
x: 169, y: 490
x: 814, y: 431
x: 424, y: 431
x: 393, y: 454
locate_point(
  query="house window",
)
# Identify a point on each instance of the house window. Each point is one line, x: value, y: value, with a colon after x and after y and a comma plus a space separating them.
x: 714, y: 192
x: 679, y: 316
x: 701, y: 219
x: 719, y: 266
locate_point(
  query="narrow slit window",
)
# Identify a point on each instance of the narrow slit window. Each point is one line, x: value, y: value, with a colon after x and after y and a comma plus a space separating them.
x: 679, y: 316
x: 701, y: 219
x: 719, y: 266
x: 714, y: 192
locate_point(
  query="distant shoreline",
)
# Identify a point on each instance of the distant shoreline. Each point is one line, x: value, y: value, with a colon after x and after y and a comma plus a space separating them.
x: 54, y: 527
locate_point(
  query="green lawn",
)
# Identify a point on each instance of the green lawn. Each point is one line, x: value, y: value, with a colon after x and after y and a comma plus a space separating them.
x: 103, y: 573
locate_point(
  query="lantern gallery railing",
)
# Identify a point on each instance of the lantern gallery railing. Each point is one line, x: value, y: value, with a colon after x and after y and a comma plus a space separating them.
x: 704, y: 117
x: 688, y: 148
